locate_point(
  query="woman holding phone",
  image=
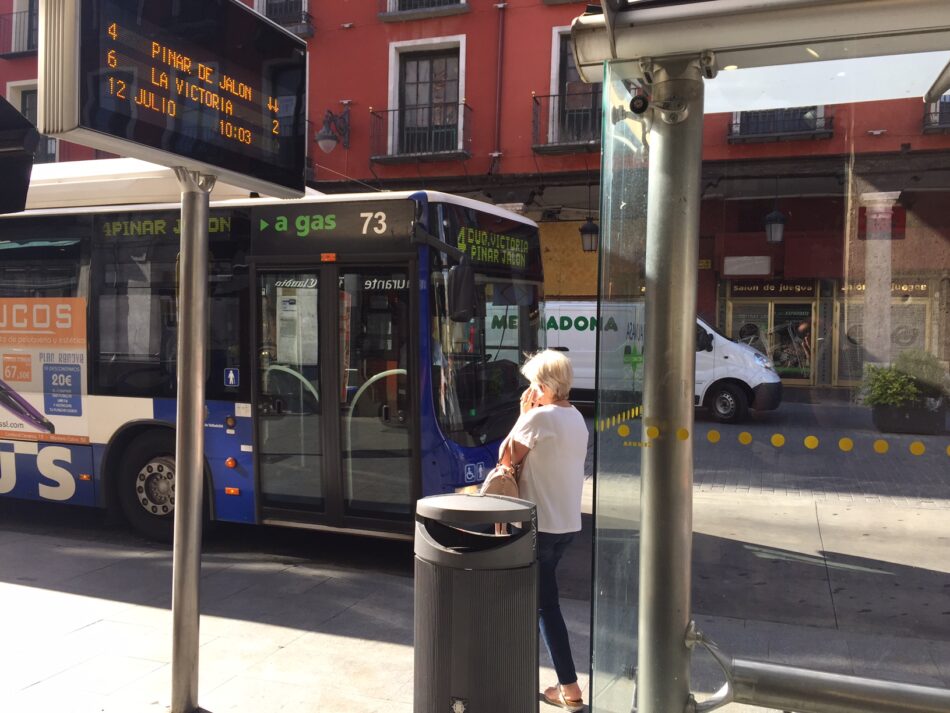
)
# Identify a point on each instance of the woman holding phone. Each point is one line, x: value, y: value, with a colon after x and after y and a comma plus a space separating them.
x: 548, y: 445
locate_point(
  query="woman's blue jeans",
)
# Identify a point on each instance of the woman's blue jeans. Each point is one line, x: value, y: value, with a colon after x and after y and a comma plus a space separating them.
x: 553, y: 630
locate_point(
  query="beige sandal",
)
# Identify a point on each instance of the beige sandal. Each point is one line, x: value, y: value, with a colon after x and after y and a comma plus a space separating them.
x: 569, y: 704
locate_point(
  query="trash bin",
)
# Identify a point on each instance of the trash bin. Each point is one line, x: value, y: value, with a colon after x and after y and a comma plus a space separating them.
x: 476, y: 606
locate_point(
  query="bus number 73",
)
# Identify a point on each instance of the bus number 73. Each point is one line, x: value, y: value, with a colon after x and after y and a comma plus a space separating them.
x: 379, y: 218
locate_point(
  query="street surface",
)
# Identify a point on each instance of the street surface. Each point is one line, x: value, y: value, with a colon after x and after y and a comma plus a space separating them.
x: 817, y: 557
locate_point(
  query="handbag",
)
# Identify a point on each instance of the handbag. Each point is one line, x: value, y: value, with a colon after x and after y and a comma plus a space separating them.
x: 501, y: 480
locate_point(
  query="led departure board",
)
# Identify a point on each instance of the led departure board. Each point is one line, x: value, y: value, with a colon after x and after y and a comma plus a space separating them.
x: 205, y: 84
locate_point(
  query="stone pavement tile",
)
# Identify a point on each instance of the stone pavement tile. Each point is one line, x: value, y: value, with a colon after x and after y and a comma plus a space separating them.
x: 247, y: 693
x: 893, y: 659
x: 888, y: 568
x: 214, y: 627
x: 222, y: 578
x: 152, y: 691
x: 361, y: 667
x: 228, y: 656
x: 386, y: 614
x: 43, y: 699
x: 61, y: 562
x: 816, y: 648
x: 940, y: 654
x: 142, y: 579
x: 139, y: 641
x: 887, y: 534
x: 29, y: 664
x: 102, y: 675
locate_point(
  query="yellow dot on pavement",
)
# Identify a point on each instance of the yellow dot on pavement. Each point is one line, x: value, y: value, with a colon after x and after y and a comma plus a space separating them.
x: 623, y: 431
x: 778, y: 440
x: 713, y: 437
x: 682, y: 434
x: 811, y: 442
x: 917, y: 448
x: 846, y: 444
x: 881, y: 446
x: 745, y: 438
x: 653, y: 432
x: 948, y: 450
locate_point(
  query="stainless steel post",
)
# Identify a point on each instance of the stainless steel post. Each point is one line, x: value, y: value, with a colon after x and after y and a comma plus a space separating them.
x: 669, y: 376
x: 189, y: 446
x: 789, y: 688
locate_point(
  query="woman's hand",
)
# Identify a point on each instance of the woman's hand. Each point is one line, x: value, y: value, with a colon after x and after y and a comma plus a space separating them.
x: 530, y: 398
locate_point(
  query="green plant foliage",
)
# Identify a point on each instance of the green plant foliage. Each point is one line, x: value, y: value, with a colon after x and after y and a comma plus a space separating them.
x: 887, y: 386
x: 925, y: 369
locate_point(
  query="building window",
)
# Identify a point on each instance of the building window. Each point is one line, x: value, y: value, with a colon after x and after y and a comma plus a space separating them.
x: 19, y: 31
x: 579, y: 109
x: 409, y: 5
x: 568, y: 120
x: 937, y: 116
x: 429, y: 102
x: 46, y: 149
x: 804, y: 122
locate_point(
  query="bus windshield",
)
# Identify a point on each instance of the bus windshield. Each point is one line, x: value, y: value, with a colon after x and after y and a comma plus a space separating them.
x: 476, y: 379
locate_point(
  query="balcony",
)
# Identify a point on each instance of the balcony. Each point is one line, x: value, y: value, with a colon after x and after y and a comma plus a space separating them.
x: 937, y: 122
x: 45, y: 150
x: 404, y: 10
x: 566, y: 123
x: 438, y: 132
x: 18, y: 33
x: 291, y: 15
x: 800, y: 123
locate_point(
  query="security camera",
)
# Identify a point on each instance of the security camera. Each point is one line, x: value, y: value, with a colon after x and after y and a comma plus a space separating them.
x: 639, y: 104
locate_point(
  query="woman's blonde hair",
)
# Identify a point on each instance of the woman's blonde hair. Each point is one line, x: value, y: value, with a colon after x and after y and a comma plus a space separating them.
x: 552, y: 369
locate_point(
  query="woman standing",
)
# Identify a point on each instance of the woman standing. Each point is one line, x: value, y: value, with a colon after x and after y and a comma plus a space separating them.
x: 549, y: 445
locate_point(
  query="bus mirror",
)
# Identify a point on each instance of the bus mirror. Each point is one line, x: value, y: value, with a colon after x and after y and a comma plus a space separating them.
x: 460, y: 286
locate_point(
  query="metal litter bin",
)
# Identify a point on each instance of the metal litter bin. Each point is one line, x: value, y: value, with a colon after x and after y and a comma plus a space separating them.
x: 476, y: 606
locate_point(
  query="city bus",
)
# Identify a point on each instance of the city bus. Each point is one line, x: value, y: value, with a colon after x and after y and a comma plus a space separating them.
x: 348, y: 374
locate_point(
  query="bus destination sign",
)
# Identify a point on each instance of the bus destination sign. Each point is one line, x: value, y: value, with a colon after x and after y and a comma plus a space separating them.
x: 208, y: 84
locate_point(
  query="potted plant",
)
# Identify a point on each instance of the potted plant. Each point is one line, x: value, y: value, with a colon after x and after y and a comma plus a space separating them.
x: 908, y: 396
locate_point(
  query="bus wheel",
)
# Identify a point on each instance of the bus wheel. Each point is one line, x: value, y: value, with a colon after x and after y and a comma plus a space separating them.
x: 147, y: 485
x: 729, y: 403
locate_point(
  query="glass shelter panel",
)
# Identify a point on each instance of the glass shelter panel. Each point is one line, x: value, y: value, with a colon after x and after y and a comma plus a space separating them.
x: 821, y: 443
x: 620, y: 380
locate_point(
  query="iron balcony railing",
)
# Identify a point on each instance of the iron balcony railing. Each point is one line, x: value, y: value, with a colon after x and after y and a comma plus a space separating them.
x: 430, y: 132
x: 388, y: 6
x: 937, y: 121
x: 290, y: 14
x: 564, y: 123
x: 781, y: 125
x: 18, y: 33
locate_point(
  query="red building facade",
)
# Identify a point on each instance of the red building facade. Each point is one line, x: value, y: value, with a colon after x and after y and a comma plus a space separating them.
x: 482, y: 98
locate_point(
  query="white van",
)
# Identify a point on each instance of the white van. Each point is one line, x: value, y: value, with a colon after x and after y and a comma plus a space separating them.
x: 730, y: 377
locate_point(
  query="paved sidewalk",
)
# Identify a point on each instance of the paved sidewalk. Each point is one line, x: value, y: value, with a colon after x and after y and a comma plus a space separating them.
x: 88, y: 628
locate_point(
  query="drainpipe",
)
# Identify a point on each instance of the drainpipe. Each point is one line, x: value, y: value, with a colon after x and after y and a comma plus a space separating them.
x: 496, y: 154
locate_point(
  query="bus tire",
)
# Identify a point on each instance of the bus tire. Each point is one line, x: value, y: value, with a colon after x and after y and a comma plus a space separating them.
x: 146, y: 483
x: 729, y: 403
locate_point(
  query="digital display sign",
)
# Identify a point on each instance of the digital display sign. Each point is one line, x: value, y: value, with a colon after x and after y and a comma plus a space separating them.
x: 294, y: 229
x: 205, y: 84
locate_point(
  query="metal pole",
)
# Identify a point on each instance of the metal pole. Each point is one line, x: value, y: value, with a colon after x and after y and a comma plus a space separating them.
x: 189, y: 445
x: 789, y: 688
x: 672, y: 249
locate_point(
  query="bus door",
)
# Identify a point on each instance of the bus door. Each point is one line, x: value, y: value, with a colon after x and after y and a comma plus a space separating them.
x: 334, y: 408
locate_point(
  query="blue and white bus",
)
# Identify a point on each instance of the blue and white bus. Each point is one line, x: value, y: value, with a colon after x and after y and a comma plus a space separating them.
x: 343, y: 382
